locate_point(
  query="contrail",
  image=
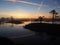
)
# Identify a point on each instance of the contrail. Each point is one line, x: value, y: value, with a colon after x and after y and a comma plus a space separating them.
x: 30, y: 3
x: 26, y: 2
x: 10, y: 0
x: 39, y: 7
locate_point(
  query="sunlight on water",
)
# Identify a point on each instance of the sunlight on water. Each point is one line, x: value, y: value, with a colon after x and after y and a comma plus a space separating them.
x: 16, y: 30
x: 46, y: 22
x: 23, y: 24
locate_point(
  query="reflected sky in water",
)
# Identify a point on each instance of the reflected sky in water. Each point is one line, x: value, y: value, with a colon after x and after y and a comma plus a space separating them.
x: 14, y: 30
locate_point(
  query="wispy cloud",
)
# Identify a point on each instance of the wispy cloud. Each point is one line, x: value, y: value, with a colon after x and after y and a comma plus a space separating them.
x: 26, y: 2
x: 31, y: 3
x: 36, y: 4
x: 38, y: 9
x: 11, y: 0
x: 41, y: 5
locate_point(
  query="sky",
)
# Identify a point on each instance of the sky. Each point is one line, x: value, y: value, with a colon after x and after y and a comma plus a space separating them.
x: 28, y: 8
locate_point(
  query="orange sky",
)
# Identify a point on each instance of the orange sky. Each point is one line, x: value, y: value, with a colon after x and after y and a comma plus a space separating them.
x: 28, y: 9
x: 22, y: 15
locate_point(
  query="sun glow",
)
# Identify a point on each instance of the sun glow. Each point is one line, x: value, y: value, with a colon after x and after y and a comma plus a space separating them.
x: 22, y: 15
x: 15, y: 14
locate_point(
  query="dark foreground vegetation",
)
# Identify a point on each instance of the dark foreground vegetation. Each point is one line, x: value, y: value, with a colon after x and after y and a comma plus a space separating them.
x: 51, y: 29
x: 15, y: 22
x: 45, y: 34
x: 6, y: 41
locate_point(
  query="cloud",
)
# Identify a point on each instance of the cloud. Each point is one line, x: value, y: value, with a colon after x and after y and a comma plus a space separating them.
x: 31, y: 3
x: 38, y: 9
x: 11, y: 0
x: 41, y: 5
x: 26, y: 2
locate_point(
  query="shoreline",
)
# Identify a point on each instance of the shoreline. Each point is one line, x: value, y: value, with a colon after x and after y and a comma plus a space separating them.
x: 51, y: 29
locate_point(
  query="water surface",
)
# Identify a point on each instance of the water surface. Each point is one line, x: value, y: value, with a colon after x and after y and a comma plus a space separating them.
x: 14, y: 30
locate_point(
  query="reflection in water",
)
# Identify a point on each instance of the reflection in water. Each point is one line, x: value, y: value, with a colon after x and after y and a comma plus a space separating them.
x: 46, y: 22
x: 14, y: 30
x: 17, y: 30
x: 22, y: 36
x: 12, y: 25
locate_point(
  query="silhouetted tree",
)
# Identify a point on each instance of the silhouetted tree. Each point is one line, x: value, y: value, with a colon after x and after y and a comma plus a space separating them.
x: 2, y: 20
x: 11, y: 18
x: 54, y: 14
x: 40, y: 19
x: 57, y: 17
